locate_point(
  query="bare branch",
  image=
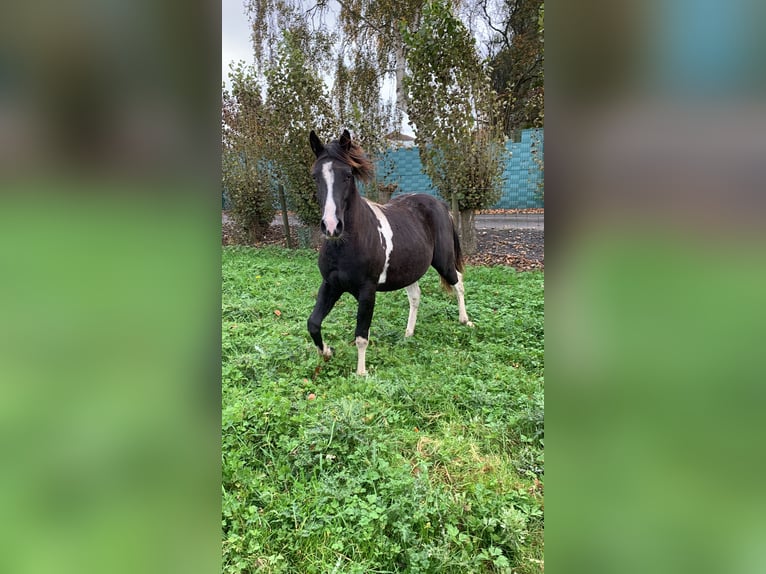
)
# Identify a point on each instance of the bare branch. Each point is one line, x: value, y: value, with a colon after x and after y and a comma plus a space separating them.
x: 503, y: 33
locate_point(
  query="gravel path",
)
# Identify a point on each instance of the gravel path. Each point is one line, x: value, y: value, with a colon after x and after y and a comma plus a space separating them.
x: 523, y: 249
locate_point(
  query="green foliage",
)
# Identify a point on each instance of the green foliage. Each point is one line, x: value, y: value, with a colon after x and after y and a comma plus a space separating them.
x: 250, y: 191
x: 451, y: 107
x: 369, y: 29
x: 244, y: 174
x: 517, y: 66
x: 359, y: 108
x: 432, y: 463
x: 356, y: 47
x: 296, y: 103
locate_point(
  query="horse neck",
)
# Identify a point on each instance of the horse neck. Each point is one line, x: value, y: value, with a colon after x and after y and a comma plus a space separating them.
x: 356, y: 211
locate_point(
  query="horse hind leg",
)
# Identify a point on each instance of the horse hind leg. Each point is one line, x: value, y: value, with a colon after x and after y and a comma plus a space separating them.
x: 413, y: 294
x: 454, y: 282
x: 460, y: 290
x: 449, y: 266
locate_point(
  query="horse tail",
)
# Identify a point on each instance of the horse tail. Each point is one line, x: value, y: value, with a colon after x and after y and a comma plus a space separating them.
x: 458, y: 257
x: 458, y: 251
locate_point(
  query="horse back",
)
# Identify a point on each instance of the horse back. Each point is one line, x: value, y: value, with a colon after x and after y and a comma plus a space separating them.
x: 422, y: 236
x: 430, y: 214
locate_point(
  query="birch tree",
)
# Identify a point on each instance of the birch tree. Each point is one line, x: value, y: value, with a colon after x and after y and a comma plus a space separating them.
x: 372, y: 27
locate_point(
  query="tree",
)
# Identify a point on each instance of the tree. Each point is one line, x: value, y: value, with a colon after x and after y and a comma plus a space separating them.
x: 296, y: 103
x: 245, y: 177
x: 353, y: 49
x: 362, y: 111
x: 517, y: 61
x: 451, y: 110
x: 372, y: 27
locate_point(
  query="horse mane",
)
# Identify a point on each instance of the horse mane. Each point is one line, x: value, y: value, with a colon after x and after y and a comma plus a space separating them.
x: 355, y: 157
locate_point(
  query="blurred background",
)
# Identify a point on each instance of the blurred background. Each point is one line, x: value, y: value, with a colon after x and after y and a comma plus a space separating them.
x: 109, y: 288
x: 656, y: 271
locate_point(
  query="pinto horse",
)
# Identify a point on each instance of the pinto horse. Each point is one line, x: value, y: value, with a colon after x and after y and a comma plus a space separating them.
x: 370, y: 247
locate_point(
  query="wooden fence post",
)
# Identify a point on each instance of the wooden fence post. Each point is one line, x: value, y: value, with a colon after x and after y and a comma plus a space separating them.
x: 285, y: 220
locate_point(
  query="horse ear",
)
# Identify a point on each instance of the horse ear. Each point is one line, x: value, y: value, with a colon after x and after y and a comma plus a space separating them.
x: 345, y: 140
x: 316, y: 144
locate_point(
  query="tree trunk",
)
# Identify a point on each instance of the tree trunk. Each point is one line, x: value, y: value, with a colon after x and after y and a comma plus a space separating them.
x: 467, y: 232
x: 456, y: 212
x: 285, y: 219
x: 400, y: 64
x: 256, y: 231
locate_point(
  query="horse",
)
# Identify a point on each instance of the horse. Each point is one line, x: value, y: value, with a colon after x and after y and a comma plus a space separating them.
x: 369, y: 247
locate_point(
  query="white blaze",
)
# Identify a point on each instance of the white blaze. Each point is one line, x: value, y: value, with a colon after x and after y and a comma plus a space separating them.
x: 328, y: 214
x: 386, y: 237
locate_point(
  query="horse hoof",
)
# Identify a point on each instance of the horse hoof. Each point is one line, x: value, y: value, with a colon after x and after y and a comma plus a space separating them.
x: 361, y: 373
x: 326, y: 353
x: 409, y: 333
x: 467, y: 323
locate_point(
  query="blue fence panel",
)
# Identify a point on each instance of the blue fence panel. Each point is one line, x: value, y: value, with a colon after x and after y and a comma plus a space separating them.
x: 522, y: 177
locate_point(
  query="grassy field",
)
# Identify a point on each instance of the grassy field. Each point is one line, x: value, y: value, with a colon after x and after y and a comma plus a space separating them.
x: 432, y: 463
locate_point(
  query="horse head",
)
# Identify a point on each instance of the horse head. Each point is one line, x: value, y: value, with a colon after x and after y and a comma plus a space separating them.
x: 334, y: 170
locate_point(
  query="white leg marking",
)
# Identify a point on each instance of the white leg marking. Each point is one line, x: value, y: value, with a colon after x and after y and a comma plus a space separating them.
x: 326, y: 352
x: 328, y: 213
x: 361, y: 350
x: 386, y: 237
x: 413, y: 294
x: 461, y: 300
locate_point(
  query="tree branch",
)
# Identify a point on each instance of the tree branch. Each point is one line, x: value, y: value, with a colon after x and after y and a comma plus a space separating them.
x: 503, y: 33
x: 358, y: 15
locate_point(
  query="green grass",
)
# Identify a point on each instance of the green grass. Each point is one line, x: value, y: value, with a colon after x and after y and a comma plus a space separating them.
x: 431, y: 463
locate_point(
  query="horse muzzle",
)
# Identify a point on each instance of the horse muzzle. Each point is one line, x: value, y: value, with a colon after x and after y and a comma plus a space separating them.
x: 331, y: 228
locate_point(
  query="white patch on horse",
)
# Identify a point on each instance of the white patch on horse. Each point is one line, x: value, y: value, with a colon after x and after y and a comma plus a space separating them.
x: 413, y: 294
x: 328, y: 215
x: 463, y: 316
x: 361, y: 350
x: 386, y: 237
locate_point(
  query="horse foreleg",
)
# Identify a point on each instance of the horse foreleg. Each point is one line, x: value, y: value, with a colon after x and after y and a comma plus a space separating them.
x: 326, y: 299
x: 460, y: 290
x: 364, y: 313
x: 413, y: 294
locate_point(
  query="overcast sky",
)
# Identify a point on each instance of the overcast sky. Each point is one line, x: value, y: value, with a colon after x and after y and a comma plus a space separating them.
x: 235, y: 36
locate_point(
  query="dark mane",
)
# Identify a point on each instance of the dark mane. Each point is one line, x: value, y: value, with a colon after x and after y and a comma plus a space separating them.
x: 355, y: 158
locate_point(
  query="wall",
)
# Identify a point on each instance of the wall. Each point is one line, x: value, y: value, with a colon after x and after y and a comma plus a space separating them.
x: 520, y: 177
